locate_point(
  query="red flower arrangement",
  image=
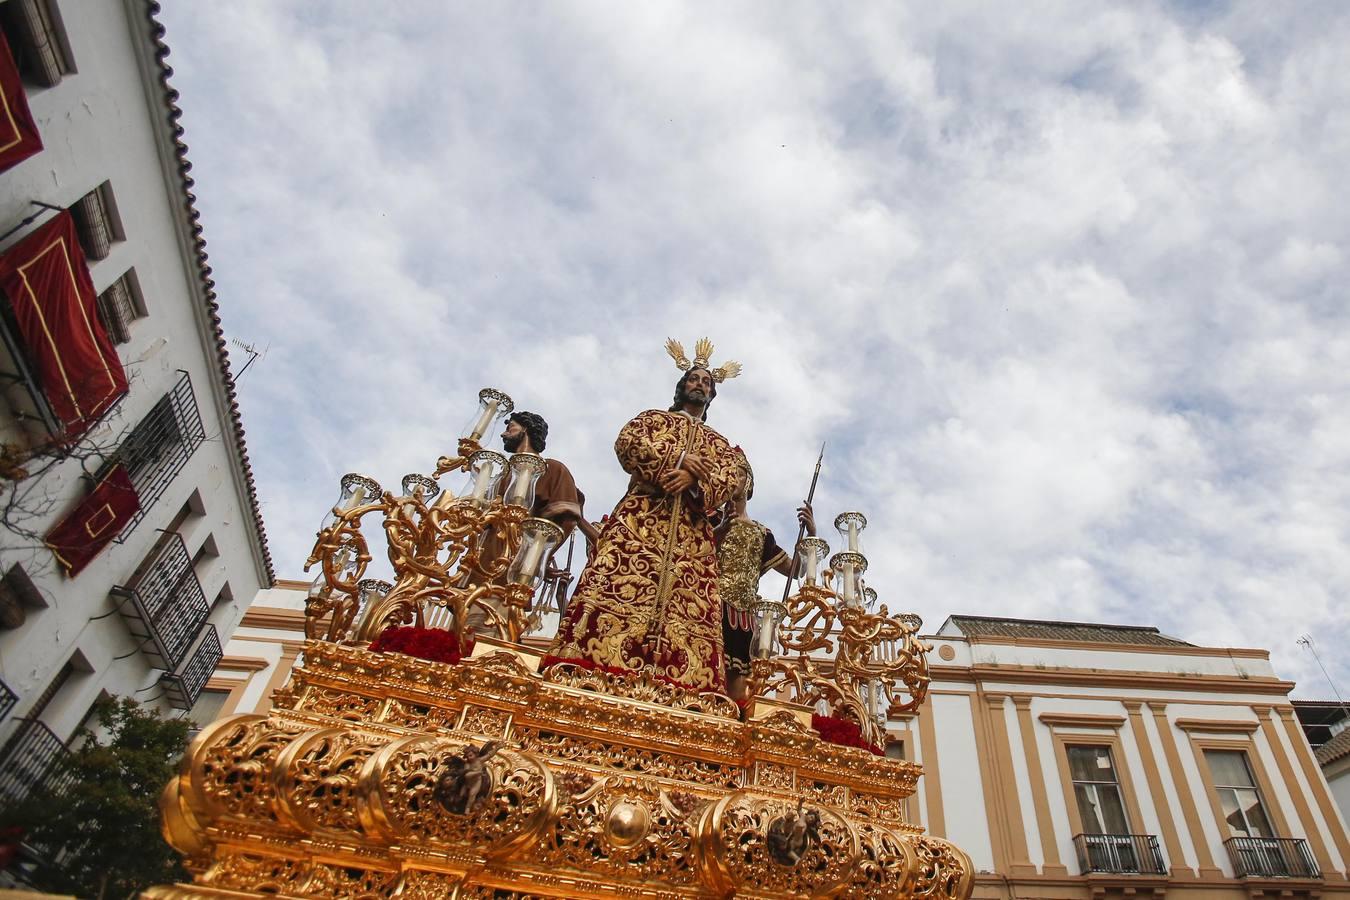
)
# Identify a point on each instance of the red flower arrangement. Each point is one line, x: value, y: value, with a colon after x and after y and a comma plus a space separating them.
x: 844, y: 732
x: 434, y: 644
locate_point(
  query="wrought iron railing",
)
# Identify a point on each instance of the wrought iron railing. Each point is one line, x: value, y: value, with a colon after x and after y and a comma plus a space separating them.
x: 155, y: 451
x: 1123, y: 854
x: 1263, y: 857
x: 163, y: 602
x: 183, y: 687
x: 31, y: 758
x: 7, y: 700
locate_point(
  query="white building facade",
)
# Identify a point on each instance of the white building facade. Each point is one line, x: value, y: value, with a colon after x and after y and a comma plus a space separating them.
x: 130, y: 537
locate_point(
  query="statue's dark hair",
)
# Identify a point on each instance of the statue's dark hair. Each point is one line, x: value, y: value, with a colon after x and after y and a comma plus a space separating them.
x: 677, y: 404
x: 534, y: 426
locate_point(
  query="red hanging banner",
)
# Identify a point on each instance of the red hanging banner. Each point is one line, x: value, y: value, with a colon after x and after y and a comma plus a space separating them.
x: 83, y: 534
x: 19, y: 138
x: 48, y: 284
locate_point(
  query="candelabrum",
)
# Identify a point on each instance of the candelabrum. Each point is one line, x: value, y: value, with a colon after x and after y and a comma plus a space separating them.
x: 878, y: 664
x: 476, y: 552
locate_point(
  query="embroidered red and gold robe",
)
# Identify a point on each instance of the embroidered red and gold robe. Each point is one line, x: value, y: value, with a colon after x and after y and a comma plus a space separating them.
x: 649, y: 597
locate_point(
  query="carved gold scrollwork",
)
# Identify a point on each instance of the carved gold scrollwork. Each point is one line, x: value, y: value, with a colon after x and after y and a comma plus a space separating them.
x: 623, y: 828
x: 942, y: 870
x: 315, y: 779
x: 181, y: 829
x: 261, y: 873
x: 735, y: 849
x: 886, y: 865
x: 815, y: 621
x: 397, y: 798
x: 229, y: 766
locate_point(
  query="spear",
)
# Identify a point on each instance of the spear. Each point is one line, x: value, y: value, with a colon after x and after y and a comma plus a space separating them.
x: 801, y: 529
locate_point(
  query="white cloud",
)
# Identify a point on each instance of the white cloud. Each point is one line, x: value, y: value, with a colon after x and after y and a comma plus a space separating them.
x: 1059, y: 286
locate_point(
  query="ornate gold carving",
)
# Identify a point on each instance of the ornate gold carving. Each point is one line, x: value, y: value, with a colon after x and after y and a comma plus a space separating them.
x: 640, y: 686
x: 329, y: 880
x: 485, y: 721
x: 771, y: 775
x: 315, y: 779
x: 885, y: 865
x: 942, y: 869
x: 589, y: 795
x: 261, y: 874
x: 339, y: 704
x: 625, y: 829
x: 230, y: 766
x: 814, y: 620
x: 736, y: 852
x: 618, y: 758
x: 439, y: 556
x: 399, y: 785
x: 420, y: 716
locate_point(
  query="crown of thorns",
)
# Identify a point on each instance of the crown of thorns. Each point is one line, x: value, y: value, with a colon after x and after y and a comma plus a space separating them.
x: 703, y: 351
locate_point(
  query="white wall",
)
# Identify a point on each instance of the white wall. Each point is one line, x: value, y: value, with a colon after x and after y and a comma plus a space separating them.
x: 99, y: 125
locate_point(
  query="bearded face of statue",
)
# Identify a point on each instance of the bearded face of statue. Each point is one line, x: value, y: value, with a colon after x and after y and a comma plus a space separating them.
x: 696, y: 387
x: 513, y: 437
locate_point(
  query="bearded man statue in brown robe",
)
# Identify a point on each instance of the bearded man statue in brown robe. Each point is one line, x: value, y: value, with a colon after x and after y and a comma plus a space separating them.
x: 649, y: 598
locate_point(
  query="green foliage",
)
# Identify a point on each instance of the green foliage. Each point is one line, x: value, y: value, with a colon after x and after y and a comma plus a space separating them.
x: 100, y: 837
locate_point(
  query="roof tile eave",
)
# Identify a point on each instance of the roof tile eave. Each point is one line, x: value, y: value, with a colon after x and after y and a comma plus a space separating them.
x: 161, y: 51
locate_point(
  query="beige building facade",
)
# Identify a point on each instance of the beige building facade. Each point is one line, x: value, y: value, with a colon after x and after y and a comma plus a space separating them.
x: 1069, y: 760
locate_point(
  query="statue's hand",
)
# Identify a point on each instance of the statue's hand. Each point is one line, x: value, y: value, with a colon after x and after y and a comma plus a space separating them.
x: 701, y: 468
x: 807, y: 518
x: 677, y: 481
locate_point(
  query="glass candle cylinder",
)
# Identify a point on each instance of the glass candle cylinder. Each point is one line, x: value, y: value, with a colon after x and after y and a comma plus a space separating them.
x: 848, y: 570
x: 368, y: 591
x: 525, y: 471
x: 492, y: 404
x: 354, y: 490
x: 850, y: 526
x: 538, y: 538
x: 485, y: 474
x: 417, y: 487
x: 811, y: 551
x: 770, y: 613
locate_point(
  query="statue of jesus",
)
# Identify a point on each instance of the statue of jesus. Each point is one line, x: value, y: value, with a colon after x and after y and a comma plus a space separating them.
x: 649, y: 597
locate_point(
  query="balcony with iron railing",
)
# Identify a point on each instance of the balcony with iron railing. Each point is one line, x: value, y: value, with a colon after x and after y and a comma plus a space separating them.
x: 1267, y: 857
x: 7, y: 700
x: 163, y: 603
x: 30, y: 759
x: 160, y: 445
x: 1119, y: 854
x: 183, y: 687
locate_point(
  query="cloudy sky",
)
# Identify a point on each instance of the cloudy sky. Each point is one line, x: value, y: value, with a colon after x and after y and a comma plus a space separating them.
x: 1057, y: 283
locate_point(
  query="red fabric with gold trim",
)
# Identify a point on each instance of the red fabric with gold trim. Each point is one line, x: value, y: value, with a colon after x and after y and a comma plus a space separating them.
x: 47, y: 281
x: 19, y: 138
x: 83, y: 534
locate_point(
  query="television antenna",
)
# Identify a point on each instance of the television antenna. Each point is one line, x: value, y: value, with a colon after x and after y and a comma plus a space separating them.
x: 1307, y: 642
x: 253, y: 354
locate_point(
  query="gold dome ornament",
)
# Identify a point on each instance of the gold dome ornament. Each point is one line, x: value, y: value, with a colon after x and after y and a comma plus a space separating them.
x: 703, y: 351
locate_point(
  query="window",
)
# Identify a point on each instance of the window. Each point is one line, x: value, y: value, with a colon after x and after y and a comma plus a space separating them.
x: 1097, y: 791
x: 18, y: 596
x: 160, y: 445
x: 97, y: 222
x: 1238, y: 796
x: 37, y: 39
x: 119, y: 305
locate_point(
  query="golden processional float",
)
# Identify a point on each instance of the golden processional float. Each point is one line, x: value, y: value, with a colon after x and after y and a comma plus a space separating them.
x: 383, y: 774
